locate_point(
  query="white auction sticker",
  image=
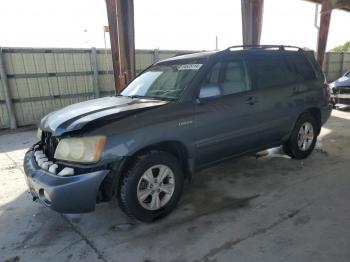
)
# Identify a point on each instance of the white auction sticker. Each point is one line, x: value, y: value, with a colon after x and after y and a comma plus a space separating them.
x: 189, y: 67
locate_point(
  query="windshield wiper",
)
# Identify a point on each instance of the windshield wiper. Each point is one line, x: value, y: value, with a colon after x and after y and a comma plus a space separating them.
x: 152, y: 97
x: 131, y: 96
x: 135, y: 96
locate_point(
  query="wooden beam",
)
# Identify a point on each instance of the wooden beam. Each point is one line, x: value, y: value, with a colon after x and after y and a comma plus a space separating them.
x: 122, y: 35
x: 326, y: 12
x: 113, y: 35
x: 126, y: 29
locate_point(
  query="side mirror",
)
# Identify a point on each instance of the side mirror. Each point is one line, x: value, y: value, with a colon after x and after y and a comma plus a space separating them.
x: 209, y: 91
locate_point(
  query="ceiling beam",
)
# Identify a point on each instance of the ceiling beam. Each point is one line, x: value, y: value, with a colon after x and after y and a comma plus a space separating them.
x: 337, y: 4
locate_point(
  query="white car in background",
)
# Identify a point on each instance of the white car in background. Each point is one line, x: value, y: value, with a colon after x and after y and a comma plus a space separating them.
x: 340, y: 91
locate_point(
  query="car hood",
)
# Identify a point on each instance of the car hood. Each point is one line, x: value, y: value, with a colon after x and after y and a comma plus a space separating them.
x: 341, y: 82
x: 76, y: 116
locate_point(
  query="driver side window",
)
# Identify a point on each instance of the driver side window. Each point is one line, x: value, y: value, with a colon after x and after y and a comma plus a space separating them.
x: 230, y: 76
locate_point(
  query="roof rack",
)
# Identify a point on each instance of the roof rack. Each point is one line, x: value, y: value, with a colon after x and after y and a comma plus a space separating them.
x: 264, y: 47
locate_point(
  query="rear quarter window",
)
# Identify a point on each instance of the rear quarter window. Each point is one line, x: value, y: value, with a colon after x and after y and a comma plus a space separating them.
x: 302, y: 66
x: 270, y: 70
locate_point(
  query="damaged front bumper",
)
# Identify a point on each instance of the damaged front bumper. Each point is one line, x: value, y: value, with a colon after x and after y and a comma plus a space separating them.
x: 341, y: 98
x: 64, y: 194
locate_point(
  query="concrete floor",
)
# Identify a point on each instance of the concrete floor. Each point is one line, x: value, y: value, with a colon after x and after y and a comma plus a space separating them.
x: 266, y: 209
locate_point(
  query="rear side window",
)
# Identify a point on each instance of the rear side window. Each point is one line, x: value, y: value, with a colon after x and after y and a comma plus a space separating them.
x: 271, y: 70
x: 302, y: 66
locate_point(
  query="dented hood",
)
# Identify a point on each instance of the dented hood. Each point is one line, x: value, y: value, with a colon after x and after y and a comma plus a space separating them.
x: 76, y: 116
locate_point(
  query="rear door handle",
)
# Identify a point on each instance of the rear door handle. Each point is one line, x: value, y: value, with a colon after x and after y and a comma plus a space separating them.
x: 297, y: 89
x: 251, y: 100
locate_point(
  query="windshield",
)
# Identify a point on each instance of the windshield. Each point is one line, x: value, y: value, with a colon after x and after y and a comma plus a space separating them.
x: 162, y: 81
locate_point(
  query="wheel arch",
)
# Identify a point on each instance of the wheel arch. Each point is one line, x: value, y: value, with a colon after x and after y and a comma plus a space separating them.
x: 316, y: 114
x: 290, y: 147
x: 110, y: 184
x: 174, y: 147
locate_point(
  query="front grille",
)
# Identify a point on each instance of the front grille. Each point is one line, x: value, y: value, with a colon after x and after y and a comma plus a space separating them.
x: 341, y: 90
x: 344, y: 90
x: 49, y: 143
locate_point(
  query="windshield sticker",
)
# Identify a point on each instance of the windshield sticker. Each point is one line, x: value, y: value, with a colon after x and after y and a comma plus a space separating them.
x: 189, y: 67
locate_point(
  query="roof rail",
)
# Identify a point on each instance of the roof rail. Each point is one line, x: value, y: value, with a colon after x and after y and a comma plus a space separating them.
x: 279, y: 47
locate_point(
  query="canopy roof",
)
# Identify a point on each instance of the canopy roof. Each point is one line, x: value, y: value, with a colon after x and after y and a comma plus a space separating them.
x: 338, y: 4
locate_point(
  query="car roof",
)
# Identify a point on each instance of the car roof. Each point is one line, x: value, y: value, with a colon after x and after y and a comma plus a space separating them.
x: 232, y: 50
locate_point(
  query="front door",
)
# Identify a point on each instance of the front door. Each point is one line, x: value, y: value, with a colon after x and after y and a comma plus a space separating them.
x: 224, y: 124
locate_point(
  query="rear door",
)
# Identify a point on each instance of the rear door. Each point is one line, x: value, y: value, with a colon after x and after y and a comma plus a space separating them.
x: 310, y: 81
x: 277, y: 92
x: 225, y: 125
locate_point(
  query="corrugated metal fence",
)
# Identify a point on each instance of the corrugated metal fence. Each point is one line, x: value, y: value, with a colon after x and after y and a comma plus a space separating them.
x: 336, y: 64
x: 43, y: 80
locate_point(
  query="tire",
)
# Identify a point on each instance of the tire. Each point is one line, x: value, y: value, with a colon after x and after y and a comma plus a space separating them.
x: 294, y: 147
x: 135, y: 185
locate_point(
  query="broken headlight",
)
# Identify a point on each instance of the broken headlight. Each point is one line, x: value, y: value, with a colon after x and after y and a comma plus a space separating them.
x: 39, y: 133
x: 83, y: 149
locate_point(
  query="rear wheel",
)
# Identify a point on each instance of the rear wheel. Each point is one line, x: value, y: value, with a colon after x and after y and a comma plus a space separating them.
x: 303, y: 138
x: 151, y: 187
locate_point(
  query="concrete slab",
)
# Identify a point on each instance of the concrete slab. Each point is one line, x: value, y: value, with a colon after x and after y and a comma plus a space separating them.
x: 249, y: 209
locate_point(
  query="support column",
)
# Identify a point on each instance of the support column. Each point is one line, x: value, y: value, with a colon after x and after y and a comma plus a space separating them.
x: 122, y: 36
x: 126, y: 28
x: 155, y: 55
x: 326, y: 12
x: 7, y: 94
x: 252, y: 17
x: 95, y: 72
x: 113, y: 35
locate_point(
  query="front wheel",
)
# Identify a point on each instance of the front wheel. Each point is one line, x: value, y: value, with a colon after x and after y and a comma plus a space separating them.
x: 151, y: 187
x: 303, y: 138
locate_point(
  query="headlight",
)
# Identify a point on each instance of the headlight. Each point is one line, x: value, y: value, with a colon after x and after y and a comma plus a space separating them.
x: 83, y: 150
x: 39, y: 133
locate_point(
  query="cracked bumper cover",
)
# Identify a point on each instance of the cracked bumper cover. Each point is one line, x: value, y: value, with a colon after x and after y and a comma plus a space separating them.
x: 71, y: 194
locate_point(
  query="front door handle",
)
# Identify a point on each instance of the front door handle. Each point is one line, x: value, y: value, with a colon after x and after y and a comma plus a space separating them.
x: 252, y: 100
